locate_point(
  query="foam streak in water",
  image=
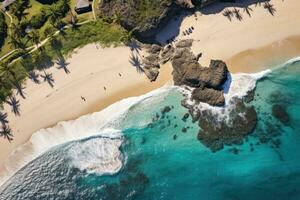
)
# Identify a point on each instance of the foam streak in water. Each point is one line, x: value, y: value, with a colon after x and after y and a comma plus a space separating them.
x: 96, y: 124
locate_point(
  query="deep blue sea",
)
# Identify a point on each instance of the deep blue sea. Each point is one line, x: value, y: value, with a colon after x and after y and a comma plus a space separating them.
x: 162, y: 158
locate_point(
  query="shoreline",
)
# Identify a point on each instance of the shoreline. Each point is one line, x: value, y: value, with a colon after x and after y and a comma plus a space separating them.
x: 92, y: 69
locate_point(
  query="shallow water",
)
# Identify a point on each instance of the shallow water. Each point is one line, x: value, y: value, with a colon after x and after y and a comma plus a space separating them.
x: 162, y: 158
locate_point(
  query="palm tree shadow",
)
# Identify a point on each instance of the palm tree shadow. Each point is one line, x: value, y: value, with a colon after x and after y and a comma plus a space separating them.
x: 237, y: 14
x: 228, y: 13
x: 34, y: 77
x: 48, y: 78
x: 62, y: 64
x: 15, y: 105
x: 248, y: 10
x: 5, y: 132
x: 218, y: 7
x: 136, y: 62
x: 270, y: 8
x: 134, y: 46
x: 3, y: 118
x: 18, y: 86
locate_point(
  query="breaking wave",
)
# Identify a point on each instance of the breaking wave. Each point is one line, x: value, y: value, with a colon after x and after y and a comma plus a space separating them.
x: 104, y: 124
x: 103, y: 155
x: 237, y: 86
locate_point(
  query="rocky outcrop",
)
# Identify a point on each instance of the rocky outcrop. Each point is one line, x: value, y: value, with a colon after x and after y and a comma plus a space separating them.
x: 205, y: 85
x: 215, y: 135
x: 166, y: 54
x: 144, y: 19
x: 208, y: 81
x: 151, y: 62
x: 217, y: 131
x: 218, y: 73
x: 208, y: 95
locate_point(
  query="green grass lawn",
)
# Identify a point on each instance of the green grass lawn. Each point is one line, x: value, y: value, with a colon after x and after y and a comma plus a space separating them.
x: 34, y: 8
x: 96, y: 31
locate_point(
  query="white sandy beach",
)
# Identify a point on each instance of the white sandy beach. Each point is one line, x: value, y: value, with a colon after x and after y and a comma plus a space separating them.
x: 250, y: 45
x: 91, y: 70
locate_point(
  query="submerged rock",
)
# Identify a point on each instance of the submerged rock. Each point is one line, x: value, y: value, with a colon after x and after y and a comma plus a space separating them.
x: 165, y: 110
x: 280, y: 113
x: 185, y: 117
x: 215, y: 132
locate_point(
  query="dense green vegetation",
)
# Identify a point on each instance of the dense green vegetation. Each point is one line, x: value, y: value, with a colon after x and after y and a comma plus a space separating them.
x: 3, y: 29
x: 148, y: 9
x: 135, y: 14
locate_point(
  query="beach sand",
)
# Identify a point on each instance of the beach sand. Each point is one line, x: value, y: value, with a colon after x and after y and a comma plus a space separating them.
x: 251, y: 45
x: 91, y: 69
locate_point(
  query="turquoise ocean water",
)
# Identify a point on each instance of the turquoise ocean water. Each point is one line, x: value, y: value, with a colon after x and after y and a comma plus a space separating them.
x: 162, y: 158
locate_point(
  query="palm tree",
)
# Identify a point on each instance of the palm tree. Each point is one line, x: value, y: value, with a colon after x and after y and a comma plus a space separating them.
x: 6, y: 133
x: 3, y: 118
x: 7, y: 69
x: 19, y: 89
x: 62, y: 64
x: 72, y: 19
x: 34, y: 77
x: 237, y: 14
x: 18, y: 7
x: 15, y: 104
x: 15, y: 42
x: 135, y: 61
x: 270, y: 8
x: 34, y: 37
x: 54, y: 13
x: 48, y: 78
x: 247, y: 10
x: 16, y: 30
x: 228, y: 13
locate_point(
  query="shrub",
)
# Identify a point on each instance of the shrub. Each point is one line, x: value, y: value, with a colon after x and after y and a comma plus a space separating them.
x: 37, y: 21
x: 3, y: 29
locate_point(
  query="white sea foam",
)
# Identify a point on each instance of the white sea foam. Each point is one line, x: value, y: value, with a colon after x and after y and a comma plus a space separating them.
x: 99, y: 155
x: 237, y: 86
x: 100, y: 123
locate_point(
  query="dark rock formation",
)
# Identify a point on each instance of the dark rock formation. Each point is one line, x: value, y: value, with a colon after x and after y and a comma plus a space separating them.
x: 249, y: 97
x: 185, y: 117
x: 166, y: 110
x: 208, y: 81
x: 166, y: 54
x: 218, y: 73
x: 151, y: 62
x: 152, y: 73
x: 208, y: 95
x: 215, y: 134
